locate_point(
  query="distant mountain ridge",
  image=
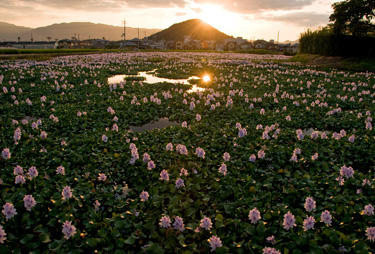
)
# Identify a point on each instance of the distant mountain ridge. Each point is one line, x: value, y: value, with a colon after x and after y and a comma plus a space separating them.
x: 195, y: 28
x: 83, y: 30
x: 12, y: 31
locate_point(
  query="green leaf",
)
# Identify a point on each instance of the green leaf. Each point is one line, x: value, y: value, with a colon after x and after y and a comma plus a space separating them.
x: 44, y: 238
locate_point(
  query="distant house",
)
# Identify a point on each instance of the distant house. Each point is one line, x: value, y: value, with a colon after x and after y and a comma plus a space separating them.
x: 170, y: 45
x: 210, y: 45
x: 88, y: 44
x: 260, y: 44
x: 179, y: 45
x: 28, y: 45
x: 219, y: 46
x: 238, y: 43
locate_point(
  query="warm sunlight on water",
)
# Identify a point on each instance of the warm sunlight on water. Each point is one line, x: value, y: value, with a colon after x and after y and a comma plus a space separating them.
x: 206, y: 78
x: 152, y: 79
x: 195, y: 89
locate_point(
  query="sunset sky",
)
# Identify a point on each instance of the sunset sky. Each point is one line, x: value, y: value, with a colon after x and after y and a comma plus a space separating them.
x: 259, y: 19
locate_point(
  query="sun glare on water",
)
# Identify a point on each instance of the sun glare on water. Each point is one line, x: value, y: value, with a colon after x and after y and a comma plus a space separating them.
x: 206, y: 78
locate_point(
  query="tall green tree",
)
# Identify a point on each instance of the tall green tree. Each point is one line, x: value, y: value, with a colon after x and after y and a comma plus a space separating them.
x: 353, y: 17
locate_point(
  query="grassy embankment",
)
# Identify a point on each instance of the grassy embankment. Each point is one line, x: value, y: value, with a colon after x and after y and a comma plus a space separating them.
x: 342, y: 63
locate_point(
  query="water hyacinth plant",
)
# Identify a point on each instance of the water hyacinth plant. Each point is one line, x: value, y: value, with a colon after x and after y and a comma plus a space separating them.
x: 268, y: 157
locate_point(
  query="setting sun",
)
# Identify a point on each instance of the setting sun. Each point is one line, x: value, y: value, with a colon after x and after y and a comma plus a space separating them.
x: 215, y: 15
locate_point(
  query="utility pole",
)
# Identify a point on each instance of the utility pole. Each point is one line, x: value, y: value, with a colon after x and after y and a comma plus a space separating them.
x: 124, y: 34
x: 138, y: 38
x: 278, y: 34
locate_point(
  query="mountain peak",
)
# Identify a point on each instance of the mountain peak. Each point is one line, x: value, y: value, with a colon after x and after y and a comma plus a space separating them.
x: 197, y: 29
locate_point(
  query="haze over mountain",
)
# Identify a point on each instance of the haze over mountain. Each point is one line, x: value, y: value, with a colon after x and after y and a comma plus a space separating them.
x: 195, y: 28
x: 85, y: 30
x: 12, y: 31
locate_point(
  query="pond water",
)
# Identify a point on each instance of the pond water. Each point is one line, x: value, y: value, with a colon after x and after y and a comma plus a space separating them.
x: 117, y: 79
x: 159, y: 124
x: 150, y: 78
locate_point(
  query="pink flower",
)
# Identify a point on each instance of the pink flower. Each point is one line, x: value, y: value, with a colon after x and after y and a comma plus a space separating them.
x: 366, y: 182
x: 164, y: 176
x: 104, y: 138
x: 43, y: 135
x: 192, y: 105
x: 200, y: 152
x: 269, y: 250
x: 242, y: 132
x: 308, y: 223
x: 60, y: 170
x: 29, y: 202
x: 9, y: 211
x: 146, y: 157
x: 206, y: 223
x: 254, y: 215
x: 261, y: 154
x: 215, y: 242
x: 150, y: 165
x: 351, y: 138
x: 169, y: 147
x: 144, y: 196
x: 68, y: 230
x: 369, y: 210
x: 18, y: 170
x: 2, y: 235
x: 370, y: 233
x: 223, y: 169
x: 178, y: 224
x: 226, y: 156
x: 198, y: 117
x: 181, y: 149
x: 110, y: 110
x: 300, y: 135
x: 6, y: 154
x: 289, y: 221
x: 252, y: 158
x: 66, y: 193
x: 102, y: 177
x: 314, y: 134
x: 184, y: 124
x: 294, y: 158
x: 326, y: 218
x: 165, y: 222
x: 20, y: 179
x: 346, y: 171
x: 310, y: 204
x: 180, y: 183
x: 183, y: 172
x: 17, y: 135
x: 115, y: 127
x: 271, y: 239
x: 96, y: 205
x: 314, y: 156
x: 33, y: 172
